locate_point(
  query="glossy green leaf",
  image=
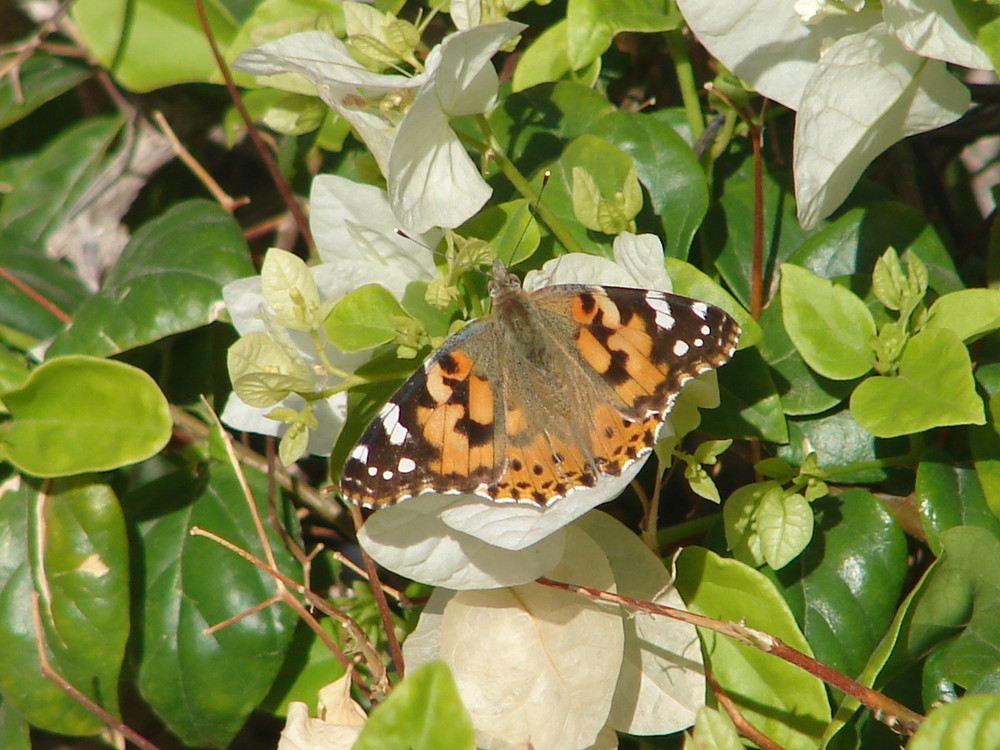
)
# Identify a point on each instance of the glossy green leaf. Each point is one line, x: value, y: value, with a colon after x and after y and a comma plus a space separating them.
x: 829, y: 325
x: 838, y: 441
x: 947, y: 496
x: 35, y: 697
x: 423, y: 712
x: 666, y: 166
x: 972, y: 723
x: 984, y: 443
x: 509, y: 227
x: 152, y: 43
x: 753, y: 407
x: 953, y: 615
x: 851, y: 244
x: 81, y: 542
x: 787, y: 704
x: 934, y: 388
x: 546, y: 60
x: 363, y: 319
x: 844, y: 586
x: 168, y: 279
x: 77, y: 414
x: 42, y: 77
x: 204, y: 686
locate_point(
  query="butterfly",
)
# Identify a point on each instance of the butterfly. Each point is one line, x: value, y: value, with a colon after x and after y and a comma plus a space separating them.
x: 550, y: 392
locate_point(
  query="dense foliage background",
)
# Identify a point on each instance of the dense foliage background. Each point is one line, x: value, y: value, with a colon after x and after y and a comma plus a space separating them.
x: 846, y: 221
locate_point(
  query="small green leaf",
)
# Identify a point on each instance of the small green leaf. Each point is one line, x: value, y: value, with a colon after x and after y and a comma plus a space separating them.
x: 888, y: 280
x: 934, y: 388
x: 713, y: 730
x: 259, y: 353
x: 785, y: 526
x: 830, y: 325
x: 77, y: 414
x: 423, y: 712
x: 971, y: 723
x: 508, y: 227
x: 546, y: 59
x: 968, y: 314
x: 739, y: 515
x: 289, y: 290
x: 363, y: 319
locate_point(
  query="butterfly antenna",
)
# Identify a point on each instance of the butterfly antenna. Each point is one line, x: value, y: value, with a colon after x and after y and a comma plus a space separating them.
x: 532, y: 208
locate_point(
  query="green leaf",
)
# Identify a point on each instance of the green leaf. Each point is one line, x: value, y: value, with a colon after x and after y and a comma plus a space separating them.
x: 713, y: 730
x: 953, y: 615
x: 802, y: 390
x: 546, y: 59
x: 423, y: 712
x: 844, y: 586
x: 168, y: 279
x: 42, y: 77
x: 785, y: 526
x: 753, y: 408
x: 968, y: 313
x: 150, y: 44
x: 509, y: 227
x: 984, y: 443
x: 850, y: 245
x: 593, y: 23
x: 81, y: 542
x: 203, y: 686
x: 57, y: 178
x: 363, y: 319
x: 34, y: 696
x: 949, y: 496
x: 290, y: 290
x: 829, y: 325
x: 674, y: 179
x: 739, y: 515
x: 934, y: 388
x: 971, y: 723
x: 784, y: 702
x: 77, y: 414
x: 14, y: 729
x: 838, y: 440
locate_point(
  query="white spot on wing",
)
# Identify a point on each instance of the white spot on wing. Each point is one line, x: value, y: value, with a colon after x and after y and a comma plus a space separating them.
x: 360, y: 453
x: 406, y: 465
x: 387, y: 474
x: 390, y: 422
x: 660, y: 306
x: 681, y: 348
x: 372, y: 471
x: 700, y: 309
x: 705, y: 330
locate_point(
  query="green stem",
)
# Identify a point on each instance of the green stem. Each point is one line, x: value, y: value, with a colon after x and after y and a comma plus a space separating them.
x: 671, y: 535
x: 677, y: 47
x: 523, y: 186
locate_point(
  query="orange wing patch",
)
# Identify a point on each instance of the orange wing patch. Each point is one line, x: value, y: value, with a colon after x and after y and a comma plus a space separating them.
x: 536, y: 472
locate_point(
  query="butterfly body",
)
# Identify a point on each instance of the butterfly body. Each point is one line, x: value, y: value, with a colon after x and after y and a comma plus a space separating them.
x: 551, y: 391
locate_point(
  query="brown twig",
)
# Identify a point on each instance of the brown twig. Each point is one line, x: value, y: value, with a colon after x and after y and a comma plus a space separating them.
x: 272, y: 168
x: 743, y: 726
x: 229, y: 204
x: 53, y: 309
x: 365, y: 646
x: 895, y: 715
x: 380, y: 600
x: 114, y: 724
